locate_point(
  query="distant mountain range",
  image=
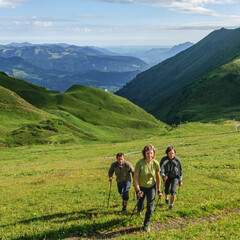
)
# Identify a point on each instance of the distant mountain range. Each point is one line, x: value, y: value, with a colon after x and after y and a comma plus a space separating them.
x: 157, y: 55
x: 62, y: 80
x: 73, y: 58
x: 178, y: 89
x: 59, y: 66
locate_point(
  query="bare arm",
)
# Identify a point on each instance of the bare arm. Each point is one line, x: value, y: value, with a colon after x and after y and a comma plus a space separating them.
x: 158, y: 181
x: 136, y: 184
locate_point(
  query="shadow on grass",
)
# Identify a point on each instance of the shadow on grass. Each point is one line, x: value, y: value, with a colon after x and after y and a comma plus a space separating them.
x: 82, y: 231
x: 86, y: 231
x: 116, y: 233
x: 92, y: 229
x: 89, y: 214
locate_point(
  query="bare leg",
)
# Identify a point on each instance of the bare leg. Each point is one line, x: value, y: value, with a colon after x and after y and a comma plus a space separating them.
x: 173, y: 197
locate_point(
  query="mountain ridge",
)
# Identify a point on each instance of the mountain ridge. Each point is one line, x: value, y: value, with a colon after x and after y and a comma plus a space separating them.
x: 73, y: 58
x: 166, y: 79
x: 60, y: 80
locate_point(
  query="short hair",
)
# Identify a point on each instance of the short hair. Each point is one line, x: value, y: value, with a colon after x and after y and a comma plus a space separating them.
x: 148, y: 148
x: 169, y: 149
x: 120, y: 154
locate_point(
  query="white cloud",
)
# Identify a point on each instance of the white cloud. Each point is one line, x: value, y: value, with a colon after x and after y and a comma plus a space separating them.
x: 33, y: 19
x: 42, y: 24
x: 30, y: 21
x: 88, y: 16
x: 81, y: 29
x: 13, y: 18
x: 183, y: 6
x: 11, y: 3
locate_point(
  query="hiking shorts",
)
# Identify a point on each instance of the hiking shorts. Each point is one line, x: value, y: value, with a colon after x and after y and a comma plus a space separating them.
x: 171, y: 186
x: 123, y: 188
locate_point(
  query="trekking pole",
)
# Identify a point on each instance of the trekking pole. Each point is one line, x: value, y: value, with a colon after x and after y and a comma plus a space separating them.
x: 163, y: 185
x: 134, y: 208
x: 134, y: 194
x: 109, y: 193
x: 156, y: 205
x: 157, y: 202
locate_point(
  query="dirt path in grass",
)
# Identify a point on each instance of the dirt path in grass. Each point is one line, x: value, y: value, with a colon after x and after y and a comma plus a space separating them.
x: 176, y: 223
x: 129, y: 153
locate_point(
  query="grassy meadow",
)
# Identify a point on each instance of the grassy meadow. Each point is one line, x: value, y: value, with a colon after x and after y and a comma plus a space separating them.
x: 61, y: 191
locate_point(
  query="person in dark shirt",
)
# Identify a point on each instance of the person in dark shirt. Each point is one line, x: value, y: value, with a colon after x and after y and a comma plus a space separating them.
x: 123, y: 171
x: 171, y: 172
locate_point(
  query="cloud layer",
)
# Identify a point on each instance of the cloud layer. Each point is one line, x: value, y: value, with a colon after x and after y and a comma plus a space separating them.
x: 183, y: 6
x: 11, y: 3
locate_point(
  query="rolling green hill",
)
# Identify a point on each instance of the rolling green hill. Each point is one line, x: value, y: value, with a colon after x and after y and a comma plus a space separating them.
x: 21, y: 123
x: 215, y: 96
x: 156, y: 88
x: 82, y: 113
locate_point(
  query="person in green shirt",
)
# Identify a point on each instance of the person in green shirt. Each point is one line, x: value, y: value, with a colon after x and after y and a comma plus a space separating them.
x: 146, y: 180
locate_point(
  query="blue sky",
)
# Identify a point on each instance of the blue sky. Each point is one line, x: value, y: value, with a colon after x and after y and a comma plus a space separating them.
x: 114, y: 22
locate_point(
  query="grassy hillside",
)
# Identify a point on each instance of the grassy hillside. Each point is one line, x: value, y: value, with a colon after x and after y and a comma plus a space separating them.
x: 85, y: 113
x: 21, y: 123
x: 58, y: 192
x: 155, y: 88
x: 213, y: 97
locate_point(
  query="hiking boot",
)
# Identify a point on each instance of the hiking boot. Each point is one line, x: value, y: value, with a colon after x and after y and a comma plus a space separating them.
x: 167, y: 201
x: 147, y: 229
x: 124, y: 209
x: 170, y: 207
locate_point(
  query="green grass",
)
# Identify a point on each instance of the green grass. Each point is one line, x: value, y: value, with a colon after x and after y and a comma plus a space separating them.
x: 60, y: 191
x: 223, y: 227
x: 81, y: 114
x: 23, y: 124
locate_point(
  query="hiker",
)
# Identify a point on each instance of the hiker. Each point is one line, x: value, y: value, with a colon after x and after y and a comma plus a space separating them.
x: 123, y: 171
x: 171, y: 172
x: 146, y: 179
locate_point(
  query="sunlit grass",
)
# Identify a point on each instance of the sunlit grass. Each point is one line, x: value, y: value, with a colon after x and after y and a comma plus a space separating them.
x: 61, y: 191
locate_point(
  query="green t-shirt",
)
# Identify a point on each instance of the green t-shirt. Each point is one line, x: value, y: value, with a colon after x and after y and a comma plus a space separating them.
x: 147, y: 177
